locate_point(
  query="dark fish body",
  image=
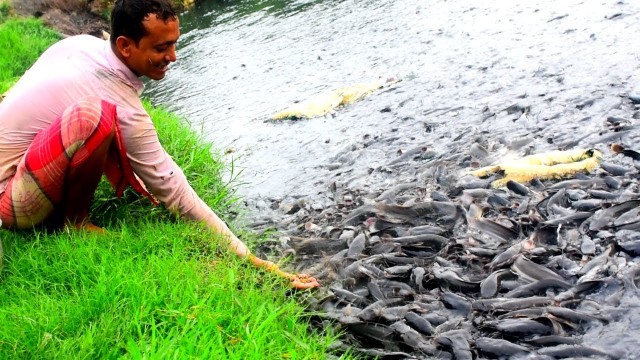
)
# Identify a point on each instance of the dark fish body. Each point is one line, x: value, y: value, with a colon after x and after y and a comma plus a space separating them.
x: 490, y: 285
x: 571, y: 219
x: 578, y: 289
x: 415, y: 214
x: 631, y: 247
x: 530, y: 271
x: 458, y: 341
x: 571, y: 315
x: 372, y: 311
x: 552, y: 340
x: 537, y: 287
x: 587, y: 205
x: 419, y: 323
x: 498, y: 201
x: 500, y: 347
x: 494, y: 228
x: 379, y: 332
x: 531, y: 313
x: 375, y: 290
x: 606, y: 217
x: 613, y: 169
x: 578, y: 350
x: 484, y: 252
x: 485, y: 304
x: 404, y: 260
x: 413, y: 338
x: 434, y: 241
x: 507, y: 257
x: 587, y: 183
x: 522, y: 327
x: 394, y: 313
x: 450, y: 280
x: 602, y: 194
x: 392, y: 289
x: 515, y: 304
x: 349, y: 296
x: 357, y: 246
x: 359, y: 270
x: 628, y: 217
x: 316, y: 245
x: 456, y: 302
x: 557, y: 200
x: 517, y: 188
x: 398, y: 270
x: 426, y: 229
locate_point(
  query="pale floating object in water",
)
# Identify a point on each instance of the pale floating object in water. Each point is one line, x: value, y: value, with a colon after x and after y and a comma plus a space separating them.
x: 551, y: 165
x: 325, y: 103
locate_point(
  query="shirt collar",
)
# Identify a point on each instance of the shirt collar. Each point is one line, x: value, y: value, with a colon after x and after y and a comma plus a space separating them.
x: 121, y: 69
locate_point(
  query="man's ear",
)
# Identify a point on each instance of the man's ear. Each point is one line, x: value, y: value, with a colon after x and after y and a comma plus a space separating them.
x: 124, y: 45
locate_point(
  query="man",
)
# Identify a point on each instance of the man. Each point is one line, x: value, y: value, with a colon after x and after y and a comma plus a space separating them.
x: 76, y: 114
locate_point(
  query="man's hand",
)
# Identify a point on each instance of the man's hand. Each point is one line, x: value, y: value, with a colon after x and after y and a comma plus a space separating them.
x: 303, y: 281
x: 298, y: 281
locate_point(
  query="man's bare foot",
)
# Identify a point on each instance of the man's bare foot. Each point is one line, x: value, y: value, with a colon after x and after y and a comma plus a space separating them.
x: 87, y: 226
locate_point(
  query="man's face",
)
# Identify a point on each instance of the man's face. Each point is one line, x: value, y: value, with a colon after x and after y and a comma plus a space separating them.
x: 156, y: 50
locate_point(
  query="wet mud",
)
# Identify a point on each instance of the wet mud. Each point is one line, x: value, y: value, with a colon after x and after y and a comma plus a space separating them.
x: 417, y: 257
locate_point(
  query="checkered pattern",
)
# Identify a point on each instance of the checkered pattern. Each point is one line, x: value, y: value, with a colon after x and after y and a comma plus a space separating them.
x: 37, y: 188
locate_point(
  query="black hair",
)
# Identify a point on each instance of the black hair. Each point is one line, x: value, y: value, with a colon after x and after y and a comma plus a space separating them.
x: 127, y: 17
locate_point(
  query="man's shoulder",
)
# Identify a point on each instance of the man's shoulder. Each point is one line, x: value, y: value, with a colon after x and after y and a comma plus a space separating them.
x: 79, y: 42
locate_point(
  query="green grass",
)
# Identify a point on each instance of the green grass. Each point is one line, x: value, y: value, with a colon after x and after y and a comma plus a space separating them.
x: 149, y: 290
x: 21, y: 42
x: 154, y: 287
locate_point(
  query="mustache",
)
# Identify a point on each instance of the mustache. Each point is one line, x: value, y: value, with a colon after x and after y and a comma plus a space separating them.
x: 157, y: 65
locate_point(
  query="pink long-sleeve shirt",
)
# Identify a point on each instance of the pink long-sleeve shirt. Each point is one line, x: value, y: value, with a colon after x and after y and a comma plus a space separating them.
x: 75, y: 68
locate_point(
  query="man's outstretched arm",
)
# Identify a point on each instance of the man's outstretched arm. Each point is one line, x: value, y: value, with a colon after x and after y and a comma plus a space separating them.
x: 299, y: 281
x: 167, y: 182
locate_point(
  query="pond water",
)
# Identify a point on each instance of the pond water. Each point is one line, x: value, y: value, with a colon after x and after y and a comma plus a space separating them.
x: 515, y: 77
x: 240, y: 62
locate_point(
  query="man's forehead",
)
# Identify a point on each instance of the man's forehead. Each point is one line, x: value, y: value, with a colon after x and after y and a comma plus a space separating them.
x: 156, y: 27
x: 154, y: 19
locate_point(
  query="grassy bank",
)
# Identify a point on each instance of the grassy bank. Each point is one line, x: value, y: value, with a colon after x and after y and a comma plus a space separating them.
x: 153, y: 287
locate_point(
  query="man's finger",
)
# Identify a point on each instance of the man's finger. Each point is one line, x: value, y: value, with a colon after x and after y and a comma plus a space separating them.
x: 305, y: 285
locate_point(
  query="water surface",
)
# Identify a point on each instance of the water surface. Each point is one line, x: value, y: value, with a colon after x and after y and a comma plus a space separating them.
x: 463, y: 64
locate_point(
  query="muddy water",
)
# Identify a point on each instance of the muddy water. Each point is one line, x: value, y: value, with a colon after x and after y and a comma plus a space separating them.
x: 516, y: 78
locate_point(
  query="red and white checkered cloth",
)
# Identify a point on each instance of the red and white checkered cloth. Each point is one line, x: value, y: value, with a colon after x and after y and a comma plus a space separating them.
x: 37, y: 188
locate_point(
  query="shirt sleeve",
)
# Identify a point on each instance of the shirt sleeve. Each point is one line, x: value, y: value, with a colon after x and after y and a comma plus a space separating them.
x: 160, y: 174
